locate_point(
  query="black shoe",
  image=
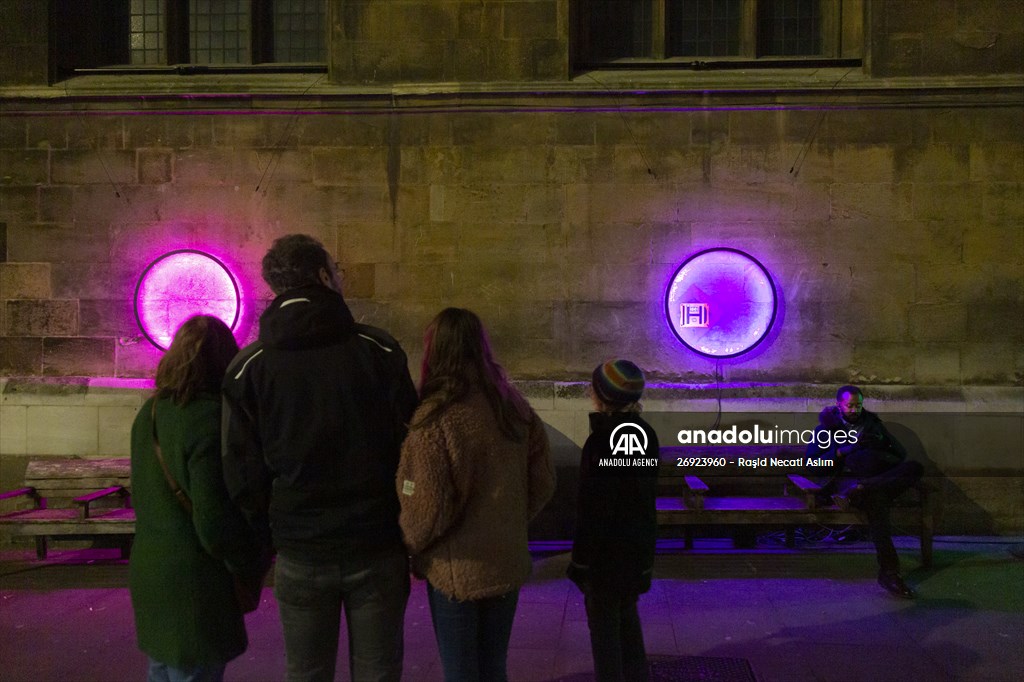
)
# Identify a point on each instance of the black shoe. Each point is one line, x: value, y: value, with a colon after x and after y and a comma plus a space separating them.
x: 895, y: 586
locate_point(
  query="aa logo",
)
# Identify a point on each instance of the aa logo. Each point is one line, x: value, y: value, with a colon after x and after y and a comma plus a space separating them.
x: 628, y: 439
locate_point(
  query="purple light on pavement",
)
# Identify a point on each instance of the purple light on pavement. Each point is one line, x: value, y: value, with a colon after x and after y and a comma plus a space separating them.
x: 179, y: 285
x: 721, y: 303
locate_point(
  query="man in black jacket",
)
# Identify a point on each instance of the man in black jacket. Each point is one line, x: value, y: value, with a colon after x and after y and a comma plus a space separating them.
x: 872, y: 471
x: 315, y: 412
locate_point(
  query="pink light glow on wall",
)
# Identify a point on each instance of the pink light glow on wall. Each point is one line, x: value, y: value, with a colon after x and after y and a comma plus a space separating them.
x: 178, y: 285
x: 721, y: 303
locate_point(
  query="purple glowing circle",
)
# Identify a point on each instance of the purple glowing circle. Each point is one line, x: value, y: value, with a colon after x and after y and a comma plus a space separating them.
x: 721, y: 303
x: 179, y: 285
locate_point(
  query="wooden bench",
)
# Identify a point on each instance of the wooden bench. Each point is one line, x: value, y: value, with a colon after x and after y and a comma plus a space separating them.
x: 72, y: 498
x: 726, y: 495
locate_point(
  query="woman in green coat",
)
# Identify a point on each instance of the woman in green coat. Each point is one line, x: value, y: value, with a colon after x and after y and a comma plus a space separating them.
x: 187, y: 616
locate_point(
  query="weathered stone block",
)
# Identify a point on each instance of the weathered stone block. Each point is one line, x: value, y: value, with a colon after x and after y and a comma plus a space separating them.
x: 24, y: 280
x: 101, y: 167
x: 997, y: 320
x: 1004, y: 203
x: 937, y: 364
x: 108, y: 317
x: 429, y: 243
x: 78, y: 433
x: 115, y: 430
x: 882, y: 363
x: 945, y: 201
x: 102, y: 132
x: 858, y: 164
x: 530, y: 19
x: 13, y: 435
x: 19, y: 203
x: 938, y: 322
x: 985, y: 362
x: 988, y: 243
x: 12, y: 132
x: 47, y: 133
x: 902, y: 126
x: 479, y: 20
x: 756, y: 127
x: 932, y: 164
x: 24, y: 167
x: 218, y: 167
x: 42, y: 318
x: 44, y: 243
x: 997, y: 162
x: 136, y: 358
x: 366, y: 242
x: 79, y: 356
x: 413, y: 283
x: 359, y: 280
x: 153, y: 130
x: 20, y: 356
x: 349, y: 166
x: 154, y: 166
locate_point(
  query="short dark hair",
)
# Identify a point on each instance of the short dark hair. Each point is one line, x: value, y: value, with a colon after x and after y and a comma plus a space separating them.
x: 294, y: 261
x: 843, y: 390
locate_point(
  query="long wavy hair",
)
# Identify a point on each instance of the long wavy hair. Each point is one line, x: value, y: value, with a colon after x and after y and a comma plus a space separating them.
x: 457, y: 358
x: 196, y: 361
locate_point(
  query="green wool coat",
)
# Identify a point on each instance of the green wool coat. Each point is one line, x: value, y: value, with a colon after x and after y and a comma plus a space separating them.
x: 186, y: 612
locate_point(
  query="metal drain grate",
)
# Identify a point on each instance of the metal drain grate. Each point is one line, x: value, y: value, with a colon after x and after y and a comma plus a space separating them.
x: 701, y: 669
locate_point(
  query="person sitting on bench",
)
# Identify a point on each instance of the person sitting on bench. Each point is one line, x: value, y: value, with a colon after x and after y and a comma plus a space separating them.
x: 872, y: 470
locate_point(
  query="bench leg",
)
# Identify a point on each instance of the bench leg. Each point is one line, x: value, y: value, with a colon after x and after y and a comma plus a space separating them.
x: 126, y: 548
x: 790, y: 538
x: 40, y: 547
x: 688, y: 537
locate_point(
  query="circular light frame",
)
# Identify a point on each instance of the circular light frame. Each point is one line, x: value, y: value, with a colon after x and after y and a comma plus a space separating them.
x: 731, y: 303
x: 159, y: 314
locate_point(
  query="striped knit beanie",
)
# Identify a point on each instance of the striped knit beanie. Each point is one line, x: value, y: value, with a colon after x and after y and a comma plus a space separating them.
x: 618, y: 382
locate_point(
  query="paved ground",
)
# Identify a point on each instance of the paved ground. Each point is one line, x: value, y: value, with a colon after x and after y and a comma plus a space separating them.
x: 811, y: 614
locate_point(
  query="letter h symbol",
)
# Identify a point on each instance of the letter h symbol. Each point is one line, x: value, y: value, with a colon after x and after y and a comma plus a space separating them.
x: 694, y: 315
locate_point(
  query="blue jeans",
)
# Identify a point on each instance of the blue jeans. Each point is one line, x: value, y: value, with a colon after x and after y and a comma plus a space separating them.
x: 373, y: 592
x: 160, y: 672
x: 472, y: 636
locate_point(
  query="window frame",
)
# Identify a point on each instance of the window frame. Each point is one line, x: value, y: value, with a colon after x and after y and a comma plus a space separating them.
x: 842, y: 39
x: 76, y: 52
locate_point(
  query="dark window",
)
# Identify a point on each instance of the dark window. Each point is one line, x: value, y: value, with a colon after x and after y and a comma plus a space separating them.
x: 206, y: 33
x: 704, y: 28
x: 634, y: 32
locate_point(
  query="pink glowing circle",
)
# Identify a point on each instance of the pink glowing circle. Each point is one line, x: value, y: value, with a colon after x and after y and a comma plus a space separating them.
x: 179, y: 285
x: 721, y: 303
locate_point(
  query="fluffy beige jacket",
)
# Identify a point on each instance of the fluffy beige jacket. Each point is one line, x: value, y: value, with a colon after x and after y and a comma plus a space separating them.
x: 467, y: 494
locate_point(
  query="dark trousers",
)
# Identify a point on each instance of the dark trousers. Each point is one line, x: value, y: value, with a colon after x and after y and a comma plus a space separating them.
x: 372, y: 591
x: 882, y: 483
x: 616, y: 638
x: 472, y: 636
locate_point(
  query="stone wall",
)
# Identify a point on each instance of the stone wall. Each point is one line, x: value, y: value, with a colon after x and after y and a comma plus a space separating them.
x: 893, y: 233
x: 448, y: 41
x: 888, y: 210
x: 946, y: 37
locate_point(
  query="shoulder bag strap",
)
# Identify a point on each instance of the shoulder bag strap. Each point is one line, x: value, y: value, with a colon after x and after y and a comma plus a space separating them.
x: 179, y: 494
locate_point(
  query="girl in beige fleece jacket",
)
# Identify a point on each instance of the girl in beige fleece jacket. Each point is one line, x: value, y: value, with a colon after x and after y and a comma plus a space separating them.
x: 474, y: 470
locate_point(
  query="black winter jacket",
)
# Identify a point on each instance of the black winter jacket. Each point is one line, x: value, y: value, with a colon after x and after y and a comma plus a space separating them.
x: 314, y: 417
x: 871, y: 435
x: 616, y: 524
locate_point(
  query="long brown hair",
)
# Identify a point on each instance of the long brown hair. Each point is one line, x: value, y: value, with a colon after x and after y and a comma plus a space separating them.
x: 456, y: 359
x: 196, y: 361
